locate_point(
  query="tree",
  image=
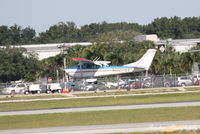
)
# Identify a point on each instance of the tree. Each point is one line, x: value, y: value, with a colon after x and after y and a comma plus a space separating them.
x: 28, y: 35
x: 17, y: 64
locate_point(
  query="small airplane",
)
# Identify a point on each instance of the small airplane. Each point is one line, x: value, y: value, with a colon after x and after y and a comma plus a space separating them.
x: 88, y: 68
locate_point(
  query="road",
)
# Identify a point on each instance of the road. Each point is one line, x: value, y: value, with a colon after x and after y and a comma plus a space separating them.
x: 113, y: 128
x: 100, y: 108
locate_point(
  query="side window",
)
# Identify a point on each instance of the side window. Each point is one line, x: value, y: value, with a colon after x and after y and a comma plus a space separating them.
x: 89, y: 66
x: 21, y: 85
x: 95, y: 66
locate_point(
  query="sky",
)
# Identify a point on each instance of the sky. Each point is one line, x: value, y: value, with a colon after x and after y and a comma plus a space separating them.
x: 41, y: 14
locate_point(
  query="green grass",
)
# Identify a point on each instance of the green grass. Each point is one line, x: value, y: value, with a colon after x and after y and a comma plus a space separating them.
x: 100, y: 101
x: 192, y: 88
x: 22, y: 97
x: 100, y: 117
x: 177, y: 132
x: 122, y: 92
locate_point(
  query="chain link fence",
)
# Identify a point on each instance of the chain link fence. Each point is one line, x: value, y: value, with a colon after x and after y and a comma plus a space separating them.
x: 113, y: 83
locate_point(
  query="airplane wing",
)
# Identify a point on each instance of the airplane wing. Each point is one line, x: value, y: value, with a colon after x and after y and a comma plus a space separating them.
x: 82, y: 60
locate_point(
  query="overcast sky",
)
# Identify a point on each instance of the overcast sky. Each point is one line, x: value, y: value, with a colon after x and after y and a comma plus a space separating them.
x: 41, y: 14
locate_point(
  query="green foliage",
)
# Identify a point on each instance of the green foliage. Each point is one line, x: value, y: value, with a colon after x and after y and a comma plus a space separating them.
x: 17, y: 64
x: 15, y: 35
x: 164, y: 27
x: 112, y: 41
x: 120, y: 53
x: 175, y: 27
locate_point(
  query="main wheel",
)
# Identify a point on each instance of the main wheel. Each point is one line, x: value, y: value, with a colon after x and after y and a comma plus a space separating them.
x: 48, y: 91
x: 183, y: 84
x: 26, y: 92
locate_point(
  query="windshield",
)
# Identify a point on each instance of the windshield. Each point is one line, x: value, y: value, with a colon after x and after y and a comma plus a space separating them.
x: 12, y: 85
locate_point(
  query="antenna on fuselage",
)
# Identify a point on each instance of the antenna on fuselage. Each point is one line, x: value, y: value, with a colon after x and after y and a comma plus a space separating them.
x: 95, y: 58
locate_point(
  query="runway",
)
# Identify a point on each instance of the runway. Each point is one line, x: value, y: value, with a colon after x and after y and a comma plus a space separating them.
x: 101, y: 108
x: 113, y: 128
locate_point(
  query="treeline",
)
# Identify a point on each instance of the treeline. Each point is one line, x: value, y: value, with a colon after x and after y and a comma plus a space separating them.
x: 17, y: 63
x: 112, y: 42
x: 173, y: 27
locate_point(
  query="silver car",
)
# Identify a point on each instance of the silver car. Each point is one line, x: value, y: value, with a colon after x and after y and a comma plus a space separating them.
x: 184, y: 81
x: 15, y: 88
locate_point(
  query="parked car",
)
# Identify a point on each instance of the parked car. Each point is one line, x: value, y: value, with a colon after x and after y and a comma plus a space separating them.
x: 131, y: 84
x: 147, y: 82
x: 135, y: 84
x: 71, y: 86
x: 15, y: 88
x: 196, y: 79
x: 184, y: 81
x: 163, y: 81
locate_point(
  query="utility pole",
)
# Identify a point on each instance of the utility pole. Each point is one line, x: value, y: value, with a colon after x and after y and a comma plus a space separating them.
x: 65, y: 74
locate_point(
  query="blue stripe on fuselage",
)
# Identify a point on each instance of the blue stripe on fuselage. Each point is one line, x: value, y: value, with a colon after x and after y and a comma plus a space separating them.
x: 104, y: 67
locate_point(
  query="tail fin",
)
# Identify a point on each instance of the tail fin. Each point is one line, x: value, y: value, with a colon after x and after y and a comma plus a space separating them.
x: 145, y: 61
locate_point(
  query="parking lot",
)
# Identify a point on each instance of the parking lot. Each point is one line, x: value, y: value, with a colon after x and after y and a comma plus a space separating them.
x: 100, y: 84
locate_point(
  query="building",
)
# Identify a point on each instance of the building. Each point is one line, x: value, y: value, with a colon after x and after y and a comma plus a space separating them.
x: 49, y: 50
x: 180, y: 45
x: 150, y: 37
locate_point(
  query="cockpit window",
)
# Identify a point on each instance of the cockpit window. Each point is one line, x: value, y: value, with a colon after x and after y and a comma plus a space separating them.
x: 89, y: 66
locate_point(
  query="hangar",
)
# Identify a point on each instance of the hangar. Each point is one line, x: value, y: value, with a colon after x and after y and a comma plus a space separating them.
x: 49, y: 50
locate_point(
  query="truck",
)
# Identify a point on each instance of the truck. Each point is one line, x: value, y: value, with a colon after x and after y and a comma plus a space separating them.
x: 53, y: 87
x: 33, y: 88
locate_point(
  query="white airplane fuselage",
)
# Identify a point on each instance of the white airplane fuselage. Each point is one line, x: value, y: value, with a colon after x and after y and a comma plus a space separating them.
x: 101, y: 71
x: 87, y: 68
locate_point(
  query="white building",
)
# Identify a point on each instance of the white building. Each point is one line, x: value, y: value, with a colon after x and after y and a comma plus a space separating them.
x: 150, y: 37
x: 181, y: 45
x: 49, y: 50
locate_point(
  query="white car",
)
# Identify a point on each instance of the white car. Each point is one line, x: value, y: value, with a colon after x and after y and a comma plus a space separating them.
x: 15, y: 88
x: 184, y: 81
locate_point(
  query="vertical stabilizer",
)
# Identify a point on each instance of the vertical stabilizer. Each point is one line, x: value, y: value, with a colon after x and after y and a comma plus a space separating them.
x: 145, y: 61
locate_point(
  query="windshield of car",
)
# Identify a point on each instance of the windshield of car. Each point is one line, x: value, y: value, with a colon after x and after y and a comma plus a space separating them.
x: 12, y: 85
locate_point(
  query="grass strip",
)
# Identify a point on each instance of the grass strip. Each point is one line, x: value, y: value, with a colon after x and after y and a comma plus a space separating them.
x: 104, y: 101
x: 100, y: 117
x: 177, y: 132
x: 22, y: 97
x: 122, y: 92
x: 140, y: 91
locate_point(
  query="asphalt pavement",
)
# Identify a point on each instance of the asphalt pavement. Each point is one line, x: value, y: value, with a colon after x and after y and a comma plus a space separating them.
x: 101, y: 108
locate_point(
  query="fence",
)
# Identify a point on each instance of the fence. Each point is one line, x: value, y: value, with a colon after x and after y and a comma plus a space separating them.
x: 129, y: 82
